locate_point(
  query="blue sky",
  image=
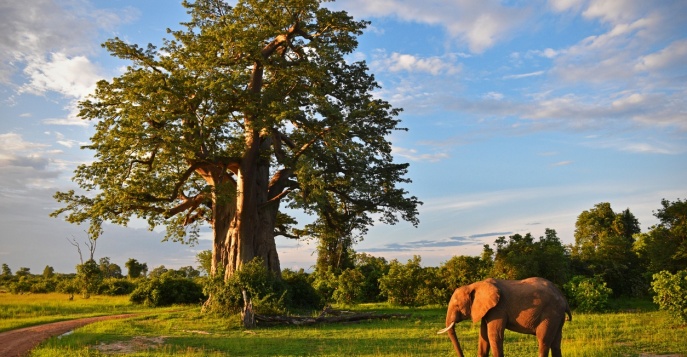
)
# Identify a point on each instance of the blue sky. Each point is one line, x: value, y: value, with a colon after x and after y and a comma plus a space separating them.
x: 522, y: 114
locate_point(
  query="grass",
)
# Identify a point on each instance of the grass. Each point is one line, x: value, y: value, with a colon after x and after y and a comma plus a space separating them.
x: 184, y: 331
x: 18, y: 311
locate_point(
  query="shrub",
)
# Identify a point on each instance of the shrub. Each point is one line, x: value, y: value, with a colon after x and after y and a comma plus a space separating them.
x: 22, y: 285
x: 167, y: 290
x: 116, y: 286
x: 588, y: 294
x: 264, y: 288
x: 301, y: 293
x: 671, y: 292
x: 349, y: 287
x: 402, y: 282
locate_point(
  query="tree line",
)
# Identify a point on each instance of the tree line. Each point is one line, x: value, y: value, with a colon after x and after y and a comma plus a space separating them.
x: 610, y: 258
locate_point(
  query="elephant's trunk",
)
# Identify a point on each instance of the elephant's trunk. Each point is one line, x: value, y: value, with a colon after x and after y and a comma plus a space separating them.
x: 451, y: 329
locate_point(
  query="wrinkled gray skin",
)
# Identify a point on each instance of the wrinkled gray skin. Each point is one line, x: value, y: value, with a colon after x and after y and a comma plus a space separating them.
x: 532, y: 306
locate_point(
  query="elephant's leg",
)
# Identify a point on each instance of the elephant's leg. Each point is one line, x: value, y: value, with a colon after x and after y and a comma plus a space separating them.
x: 556, y: 345
x: 483, y: 345
x: 496, y: 331
x: 548, y: 332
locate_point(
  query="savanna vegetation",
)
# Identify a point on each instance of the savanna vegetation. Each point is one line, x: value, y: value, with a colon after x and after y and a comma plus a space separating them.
x: 253, y: 110
x: 610, y: 259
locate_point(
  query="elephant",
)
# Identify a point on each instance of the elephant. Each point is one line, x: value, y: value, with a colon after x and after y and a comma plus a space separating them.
x: 532, y: 306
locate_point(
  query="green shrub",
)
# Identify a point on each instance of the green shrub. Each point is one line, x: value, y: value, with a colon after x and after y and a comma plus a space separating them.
x: 301, y: 293
x: 671, y: 292
x: 166, y: 290
x: 588, y: 294
x: 116, y: 286
x: 22, y: 285
x: 266, y: 291
x: 349, y: 287
x: 402, y: 282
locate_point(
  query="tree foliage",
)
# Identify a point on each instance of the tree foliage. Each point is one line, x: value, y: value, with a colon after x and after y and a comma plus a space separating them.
x: 664, y: 247
x: 251, y: 108
x: 604, y: 245
x: 522, y: 257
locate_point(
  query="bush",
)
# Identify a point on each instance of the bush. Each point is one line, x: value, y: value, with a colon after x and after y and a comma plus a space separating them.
x: 301, y: 293
x: 349, y: 287
x: 402, y: 282
x: 264, y: 288
x: 116, y: 286
x: 671, y: 292
x: 588, y: 294
x: 167, y: 290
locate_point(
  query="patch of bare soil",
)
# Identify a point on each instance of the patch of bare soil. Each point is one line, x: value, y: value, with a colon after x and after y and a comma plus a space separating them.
x: 18, y: 343
x: 136, y: 344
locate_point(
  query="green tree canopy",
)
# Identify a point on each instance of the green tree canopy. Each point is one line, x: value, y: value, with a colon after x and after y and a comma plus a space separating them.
x: 521, y: 257
x: 250, y: 109
x: 135, y: 269
x: 604, y: 245
x: 664, y: 247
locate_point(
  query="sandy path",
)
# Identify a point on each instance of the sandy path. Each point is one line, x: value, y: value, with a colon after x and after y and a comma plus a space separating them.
x: 19, y: 342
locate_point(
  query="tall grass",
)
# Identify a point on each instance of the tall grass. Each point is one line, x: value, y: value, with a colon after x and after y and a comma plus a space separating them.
x: 189, y: 333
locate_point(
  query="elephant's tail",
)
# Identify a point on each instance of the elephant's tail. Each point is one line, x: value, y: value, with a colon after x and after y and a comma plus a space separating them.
x: 567, y: 311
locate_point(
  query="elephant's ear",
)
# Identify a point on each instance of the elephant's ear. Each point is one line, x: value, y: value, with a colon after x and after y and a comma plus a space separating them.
x: 485, y: 296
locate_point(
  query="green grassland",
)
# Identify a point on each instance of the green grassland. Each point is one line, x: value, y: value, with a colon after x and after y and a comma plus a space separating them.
x: 185, y: 331
x: 17, y: 311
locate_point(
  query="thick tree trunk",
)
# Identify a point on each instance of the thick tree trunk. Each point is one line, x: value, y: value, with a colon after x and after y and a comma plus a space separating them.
x: 251, y: 231
x: 222, y: 213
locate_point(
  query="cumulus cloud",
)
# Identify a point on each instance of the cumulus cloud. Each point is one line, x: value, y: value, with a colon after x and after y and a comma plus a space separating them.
x: 49, y: 43
x: 73, y: 77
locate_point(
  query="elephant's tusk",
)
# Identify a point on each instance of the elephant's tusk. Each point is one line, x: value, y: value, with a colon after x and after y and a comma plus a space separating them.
x: 447, y: 328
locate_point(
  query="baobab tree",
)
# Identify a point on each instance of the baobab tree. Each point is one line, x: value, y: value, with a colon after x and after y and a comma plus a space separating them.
x: 251, y: 109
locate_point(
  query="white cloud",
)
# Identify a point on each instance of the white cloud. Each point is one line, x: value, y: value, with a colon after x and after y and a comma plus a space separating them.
x: 565, y: 5
x: 73, y: 77
x: 398, y: 62
x: 414, y: 155
x: 477, y: 24
x: 670, y: 57
x: 524, y: 75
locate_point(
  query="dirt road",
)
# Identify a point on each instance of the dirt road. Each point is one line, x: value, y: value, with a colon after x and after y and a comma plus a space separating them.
x: 19, y: 342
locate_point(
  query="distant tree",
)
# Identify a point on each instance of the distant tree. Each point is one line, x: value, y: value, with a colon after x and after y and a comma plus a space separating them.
x: 135, y: 269
x: 6, y: 272
x: 89, y: 276
x: 335, y: 251
x: 515, y: 257
x: 520, y: 257
x: 48, y: 272
x: 108, y: 269
x: 157, y: 272
x: 604, y: 245
x: 188, y: 272
x: 23, y: 271
x: 204, y: 260
x: 461, y: 270
x: 372, y: 269
x: 251, y: 106
x: 664, y: 246
x: 554, y: 258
